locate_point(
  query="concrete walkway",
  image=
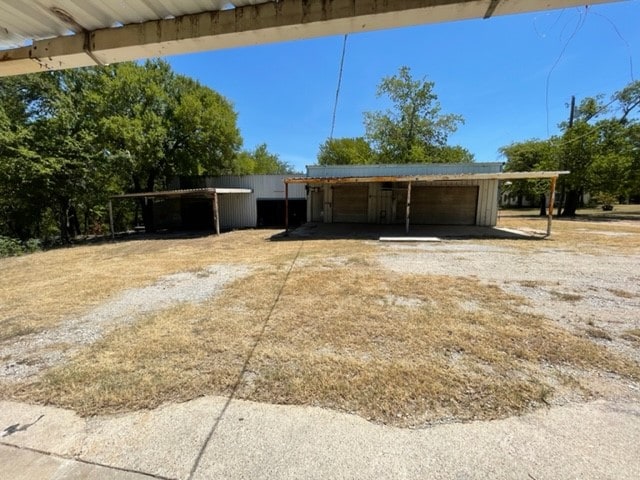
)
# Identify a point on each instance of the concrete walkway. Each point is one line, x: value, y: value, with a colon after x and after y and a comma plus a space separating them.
x: 211, y: 438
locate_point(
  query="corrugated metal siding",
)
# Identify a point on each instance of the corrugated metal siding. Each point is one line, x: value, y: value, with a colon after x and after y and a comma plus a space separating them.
x: 240, y: 210
x: 324, y: 171
x: 351, y: 203
x: 444, y: 205
x: 487, y: 213
x: 395, y: 206
x: 27, y: 20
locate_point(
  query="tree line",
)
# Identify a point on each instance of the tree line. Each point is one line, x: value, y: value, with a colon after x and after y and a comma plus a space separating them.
x: 599, y: 145
x: 71, y: 139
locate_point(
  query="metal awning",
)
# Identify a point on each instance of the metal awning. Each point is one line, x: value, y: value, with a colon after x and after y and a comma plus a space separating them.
x: 40, y: 35
x: 409, y: 179
x: 190, y: 193
x: 428, y: 178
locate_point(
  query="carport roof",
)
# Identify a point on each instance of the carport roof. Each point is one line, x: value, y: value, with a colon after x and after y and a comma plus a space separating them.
x: 429, y: 178
x: 191, y: 192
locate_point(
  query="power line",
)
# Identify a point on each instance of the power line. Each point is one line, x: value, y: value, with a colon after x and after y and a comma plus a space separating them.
x: 624, y: 40
x: 335, y: 104
x: 579, y: 25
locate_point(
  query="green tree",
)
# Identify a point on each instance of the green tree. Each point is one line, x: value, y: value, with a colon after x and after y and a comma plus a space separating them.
x: 529, y: 156
x: 408, y: 131
x: 346, y: 151
x: 601, y: 149
x: 155, y: 125
x: 70, y: 139
x: 260, y: 162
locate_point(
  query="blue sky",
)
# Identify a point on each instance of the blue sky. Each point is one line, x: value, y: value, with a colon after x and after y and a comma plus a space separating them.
x: 495, y: 73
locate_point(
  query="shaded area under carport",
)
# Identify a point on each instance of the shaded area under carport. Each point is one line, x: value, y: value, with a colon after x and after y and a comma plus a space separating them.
x: 367, y: 231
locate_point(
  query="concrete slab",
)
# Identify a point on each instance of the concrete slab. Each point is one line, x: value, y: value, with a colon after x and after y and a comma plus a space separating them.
x: 598, y: 440
x: 163, y: 442
x: 365, y: 231
x: 410, y: 239
x: 260, y: 441
x: 18, y: 464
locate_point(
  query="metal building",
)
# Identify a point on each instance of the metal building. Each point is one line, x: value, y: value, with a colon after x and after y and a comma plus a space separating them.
x: 264, y: 206
x: 468, y: 202
x: 423, y: 194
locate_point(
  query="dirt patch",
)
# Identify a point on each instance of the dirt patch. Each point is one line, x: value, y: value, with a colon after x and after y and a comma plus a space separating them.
x: 30, y: 353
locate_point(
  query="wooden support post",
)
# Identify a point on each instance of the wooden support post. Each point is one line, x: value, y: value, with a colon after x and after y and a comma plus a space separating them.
x: 216, y: 213
x: 408, y: 207
x: 113, y: 233
x: 552, y: 195
x: 286, y: 207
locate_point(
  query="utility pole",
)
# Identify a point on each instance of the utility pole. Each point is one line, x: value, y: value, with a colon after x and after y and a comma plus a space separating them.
x: 572, y: 110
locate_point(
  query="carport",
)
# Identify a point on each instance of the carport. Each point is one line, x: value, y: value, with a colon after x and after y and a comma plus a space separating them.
x: 208, y: 193
x: 449, y: 199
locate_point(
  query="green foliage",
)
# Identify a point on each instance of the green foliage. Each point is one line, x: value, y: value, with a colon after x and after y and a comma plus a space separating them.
x: 601, y: 150
x: 409, y: 130
x: 346, y: 151
x: 71, y: 139
x: 10, y: 247
x: 260, y: 162
x: 528, y: 156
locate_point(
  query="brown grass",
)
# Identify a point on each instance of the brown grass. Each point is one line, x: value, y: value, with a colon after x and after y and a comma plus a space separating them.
x: 39, y: 291
x: 333, y: 341
x: 632, y: 335
x: 565, y: 296
x: 591, y: 232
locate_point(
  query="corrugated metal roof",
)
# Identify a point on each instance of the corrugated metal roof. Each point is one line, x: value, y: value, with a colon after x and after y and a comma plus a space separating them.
x: 379, y: 170
x: 24, y: 20
x: 207, y: 192
x: 430, y: 177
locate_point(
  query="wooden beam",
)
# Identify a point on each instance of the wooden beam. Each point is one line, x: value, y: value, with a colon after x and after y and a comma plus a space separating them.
x: 427, y: 178
x: 408, y: 207
x: 253, y: 24
x: 113, y: 233
x: 286, y: 208
x: 216, y: 213
x: 552, y: 195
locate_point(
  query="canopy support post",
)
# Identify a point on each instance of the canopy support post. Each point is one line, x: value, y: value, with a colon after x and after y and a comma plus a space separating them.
x: 216, y: 213
x: 408, y: 207
x: 113, y: 233
x: 552, y: 195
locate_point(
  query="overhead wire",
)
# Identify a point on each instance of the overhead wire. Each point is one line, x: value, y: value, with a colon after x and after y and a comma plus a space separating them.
x: 624, y: 40
x: 335, y: 103
x: 579, y: 25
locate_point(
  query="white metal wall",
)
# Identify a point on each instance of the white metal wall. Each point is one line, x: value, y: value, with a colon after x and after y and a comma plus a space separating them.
x: 240, y: 210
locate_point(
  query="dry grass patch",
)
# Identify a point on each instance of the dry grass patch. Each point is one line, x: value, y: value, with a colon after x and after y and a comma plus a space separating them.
x: 566, y: 297
x: 39, y: 291
x: 330, y: 342
x: 632, y: 335
x: 580, y: 235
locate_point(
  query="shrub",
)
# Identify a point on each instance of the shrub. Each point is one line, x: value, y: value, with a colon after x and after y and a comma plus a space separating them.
x: 10, y: 247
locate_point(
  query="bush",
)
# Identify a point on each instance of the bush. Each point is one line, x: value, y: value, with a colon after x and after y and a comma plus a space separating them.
x: 10, y: 247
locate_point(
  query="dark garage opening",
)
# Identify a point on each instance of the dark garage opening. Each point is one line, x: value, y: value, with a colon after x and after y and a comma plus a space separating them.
x: 271, y: 212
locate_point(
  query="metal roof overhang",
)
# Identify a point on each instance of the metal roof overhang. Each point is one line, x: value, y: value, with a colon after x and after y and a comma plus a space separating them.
x: 429, y: 178
x: 42, y: 35
x: 192, y: 192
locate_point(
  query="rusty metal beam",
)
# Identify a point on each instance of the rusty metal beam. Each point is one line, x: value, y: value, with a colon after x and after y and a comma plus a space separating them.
x: 251, y: 25
x: 426, y: 178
